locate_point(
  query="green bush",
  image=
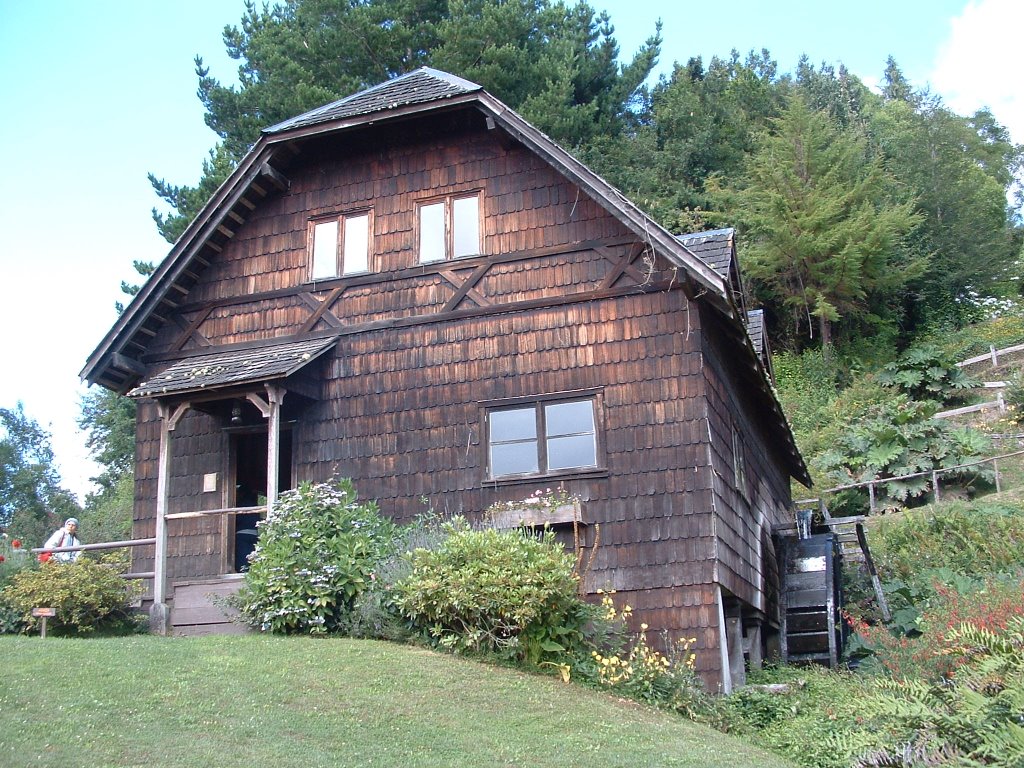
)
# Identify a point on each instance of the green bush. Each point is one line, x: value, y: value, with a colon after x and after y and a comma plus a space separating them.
x: 810, y: 715
x: 925, y: 373
x: 315, y: 554
x: 88, y: 596
x: 968, y: 538
x: 897, y: 438
x: 506, y: 593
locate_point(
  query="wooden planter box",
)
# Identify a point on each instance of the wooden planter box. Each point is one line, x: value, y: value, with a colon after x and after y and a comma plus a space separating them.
x: 529, y: 516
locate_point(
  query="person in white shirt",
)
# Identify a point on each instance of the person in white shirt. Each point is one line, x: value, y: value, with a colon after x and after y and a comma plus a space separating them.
x: 65, y: 537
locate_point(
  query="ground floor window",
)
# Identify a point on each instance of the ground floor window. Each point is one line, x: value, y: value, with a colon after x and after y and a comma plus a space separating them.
x: 542, y: 437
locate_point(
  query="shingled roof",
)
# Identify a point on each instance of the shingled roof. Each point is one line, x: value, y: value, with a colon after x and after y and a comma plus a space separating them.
x: 714, y: 248
x: 116, y: 363
x: 418, y: 87
x: 233, y: 367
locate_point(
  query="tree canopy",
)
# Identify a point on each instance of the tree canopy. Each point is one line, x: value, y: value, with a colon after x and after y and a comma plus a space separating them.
x: 32, y: 500
x: 555, y: 63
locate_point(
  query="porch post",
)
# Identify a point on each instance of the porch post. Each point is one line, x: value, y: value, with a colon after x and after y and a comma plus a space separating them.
x: 275, y: 396
x: 159, y: 616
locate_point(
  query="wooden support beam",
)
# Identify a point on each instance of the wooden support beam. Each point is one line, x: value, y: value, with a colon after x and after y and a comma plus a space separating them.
x: 275, y: 396
x: 125, y: 363
x: 464, y: 288
x: 275, y: 177
x: 236, y: 217
x: 159, y: 616
x: 321, y: 309
x: 225, y: 231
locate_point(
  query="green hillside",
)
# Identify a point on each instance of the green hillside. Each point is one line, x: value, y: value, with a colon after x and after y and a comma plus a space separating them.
x: 272, y: 701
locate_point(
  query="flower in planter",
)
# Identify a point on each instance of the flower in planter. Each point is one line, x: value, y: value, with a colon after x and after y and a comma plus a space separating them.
x: 16, y: 544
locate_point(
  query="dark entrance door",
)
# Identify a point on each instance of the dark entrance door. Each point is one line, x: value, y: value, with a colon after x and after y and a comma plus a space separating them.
x: 250, y: 488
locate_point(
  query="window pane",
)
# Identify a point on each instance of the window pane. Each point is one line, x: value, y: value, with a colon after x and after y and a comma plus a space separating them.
x: 568, y: 452
x: 325, y: 249
x: 357, y: 244
x: 432, y: 232
x: 514, y: 424
x: 569, y: 418
x: 514, y: 458
x: 466, y: 226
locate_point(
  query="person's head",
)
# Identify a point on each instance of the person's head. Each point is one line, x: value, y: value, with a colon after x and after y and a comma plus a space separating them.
x: 71, y: 525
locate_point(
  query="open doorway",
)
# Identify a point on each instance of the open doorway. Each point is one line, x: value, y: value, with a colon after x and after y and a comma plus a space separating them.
x: 249, y: 469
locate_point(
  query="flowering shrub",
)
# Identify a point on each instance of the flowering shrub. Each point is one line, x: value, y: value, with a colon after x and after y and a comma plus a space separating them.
x: 315, y: 553
x: 87, y: 595
x: 641, y: 672
x: 926, y: 654
x: 504, y: 592
x: 548, y: 499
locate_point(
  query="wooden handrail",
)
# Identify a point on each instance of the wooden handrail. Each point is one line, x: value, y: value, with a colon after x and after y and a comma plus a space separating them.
x: 208, y: 512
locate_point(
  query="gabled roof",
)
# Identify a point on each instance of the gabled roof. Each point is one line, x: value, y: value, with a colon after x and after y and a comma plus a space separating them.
x: 418, y: 87
x: 116, y: 363
x: 233, y: 367
x: 755, y: 330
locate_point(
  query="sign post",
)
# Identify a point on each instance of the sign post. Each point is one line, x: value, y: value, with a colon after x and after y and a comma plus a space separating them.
x: 44, y: 614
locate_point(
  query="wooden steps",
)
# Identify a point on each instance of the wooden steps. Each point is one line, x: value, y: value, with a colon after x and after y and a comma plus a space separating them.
x: 201, y: 607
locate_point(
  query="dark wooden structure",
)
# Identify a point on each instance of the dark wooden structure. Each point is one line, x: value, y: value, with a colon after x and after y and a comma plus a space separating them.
x: 812, y: 629
x: 415, y: 288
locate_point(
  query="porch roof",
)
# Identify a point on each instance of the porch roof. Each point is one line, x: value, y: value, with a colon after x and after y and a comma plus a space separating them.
x: 232, y: 367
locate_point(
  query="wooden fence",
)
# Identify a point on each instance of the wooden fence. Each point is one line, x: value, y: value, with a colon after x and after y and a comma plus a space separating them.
x: 935, y: 474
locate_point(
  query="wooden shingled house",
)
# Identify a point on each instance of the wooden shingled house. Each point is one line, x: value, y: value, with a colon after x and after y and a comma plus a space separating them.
x: 415, y: 288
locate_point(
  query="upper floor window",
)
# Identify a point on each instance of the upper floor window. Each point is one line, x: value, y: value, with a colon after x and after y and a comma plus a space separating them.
x: 449, y: 228
x: 340, y: 246
x: 542, y: 438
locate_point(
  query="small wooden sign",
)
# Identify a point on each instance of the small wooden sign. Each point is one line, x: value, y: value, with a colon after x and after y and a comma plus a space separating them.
x: 47, y: 612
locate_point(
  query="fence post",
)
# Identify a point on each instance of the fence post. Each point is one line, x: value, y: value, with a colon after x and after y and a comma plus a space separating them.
x: 995, y: 467
x: 871, y: 498
x: 995, y: 358
x: 935, y: 485
x: 1002, y: 403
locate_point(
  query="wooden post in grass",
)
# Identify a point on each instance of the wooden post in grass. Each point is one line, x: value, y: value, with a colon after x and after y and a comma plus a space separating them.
x: 43, y: 614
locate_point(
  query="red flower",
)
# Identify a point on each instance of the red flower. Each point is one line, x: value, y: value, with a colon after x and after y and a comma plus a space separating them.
x: 2, y: 558
x: 45, y: 557
x: 16, y: 543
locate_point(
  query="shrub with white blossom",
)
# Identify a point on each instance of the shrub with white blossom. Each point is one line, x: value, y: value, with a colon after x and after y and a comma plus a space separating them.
x: 315, y: 554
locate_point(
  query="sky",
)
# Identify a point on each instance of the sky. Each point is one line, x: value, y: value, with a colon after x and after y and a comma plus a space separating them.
x: 95, y: 95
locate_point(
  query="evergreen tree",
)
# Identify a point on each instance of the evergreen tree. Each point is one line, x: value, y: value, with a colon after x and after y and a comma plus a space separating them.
x: 696, y: 122
x: 960, y: 170
x: 822, y: 227
x: 554, y: 62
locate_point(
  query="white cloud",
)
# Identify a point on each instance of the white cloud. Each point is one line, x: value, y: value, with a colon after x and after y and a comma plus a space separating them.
x: 979, y: 64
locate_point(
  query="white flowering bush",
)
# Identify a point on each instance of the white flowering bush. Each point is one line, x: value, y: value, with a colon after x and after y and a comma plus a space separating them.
x: 316, y: 552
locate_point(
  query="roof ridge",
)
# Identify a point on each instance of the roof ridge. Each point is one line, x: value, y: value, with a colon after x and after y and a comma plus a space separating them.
x: 325, y: 110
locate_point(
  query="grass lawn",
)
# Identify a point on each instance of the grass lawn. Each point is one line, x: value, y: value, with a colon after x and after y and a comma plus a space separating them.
x: 277, y: 702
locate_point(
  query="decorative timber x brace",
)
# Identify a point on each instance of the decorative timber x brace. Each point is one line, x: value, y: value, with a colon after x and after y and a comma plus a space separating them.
x: 621, y: 254
x: 270, y: 408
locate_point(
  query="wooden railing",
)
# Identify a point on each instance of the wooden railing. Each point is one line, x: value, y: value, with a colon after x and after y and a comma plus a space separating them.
x: 934, y: 473
x: 993, y: 355
x: 105, y: 545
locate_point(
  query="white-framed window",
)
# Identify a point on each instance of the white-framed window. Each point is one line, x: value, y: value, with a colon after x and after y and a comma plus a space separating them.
x: 542, y: 438
x: 339, y: 245
x: 449, y: 228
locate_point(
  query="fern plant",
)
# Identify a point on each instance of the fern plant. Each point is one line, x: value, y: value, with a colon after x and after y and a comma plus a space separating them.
x: 976, y: 717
